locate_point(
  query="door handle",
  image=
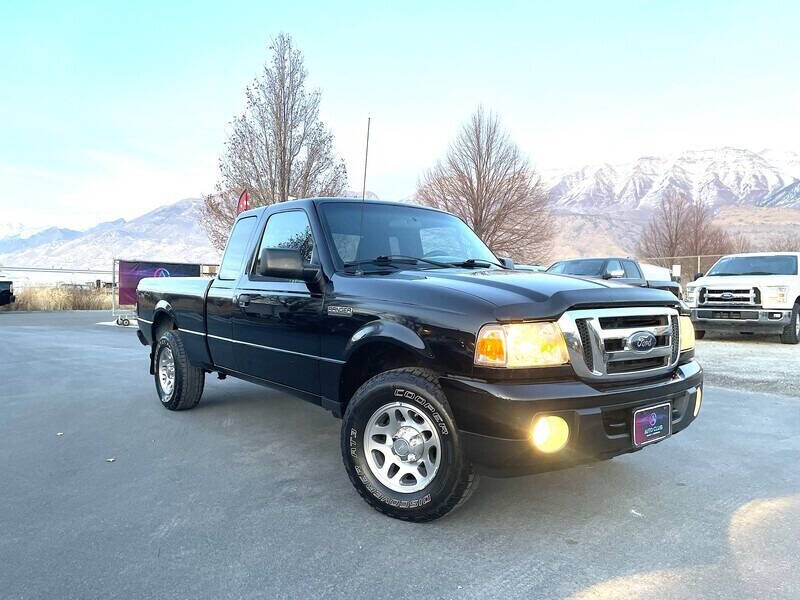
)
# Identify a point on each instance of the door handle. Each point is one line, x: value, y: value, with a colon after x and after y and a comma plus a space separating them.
x: 244, y: 300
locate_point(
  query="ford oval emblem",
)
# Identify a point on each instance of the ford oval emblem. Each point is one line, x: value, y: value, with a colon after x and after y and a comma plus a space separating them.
x: 726, y: 296
x: 642, y: 341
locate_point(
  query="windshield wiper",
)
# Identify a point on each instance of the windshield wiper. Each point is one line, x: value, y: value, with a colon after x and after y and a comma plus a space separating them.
x: 471, y: 263
x: 740, y: 274
x: 758, y: 273
x: 393, y: 260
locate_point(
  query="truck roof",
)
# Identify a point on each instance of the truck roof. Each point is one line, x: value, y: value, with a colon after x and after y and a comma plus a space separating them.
x: 763, y: 254
x: 596, y: 258
x: 305, y: 202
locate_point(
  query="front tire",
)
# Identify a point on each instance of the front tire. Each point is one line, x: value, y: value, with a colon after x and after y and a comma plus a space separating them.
x: 401, y: 448
x: 791, y: 333
x: 178, y: 383
x: 699, y: 334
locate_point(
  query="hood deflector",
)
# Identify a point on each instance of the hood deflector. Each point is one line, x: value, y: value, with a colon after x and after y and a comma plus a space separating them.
x: 560, y: 302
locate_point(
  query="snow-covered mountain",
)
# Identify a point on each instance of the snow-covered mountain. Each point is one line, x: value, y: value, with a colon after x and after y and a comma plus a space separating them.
x: 721, y: 177
x: 20, y: 241
x: 599, y: 209
x: 170, y: 233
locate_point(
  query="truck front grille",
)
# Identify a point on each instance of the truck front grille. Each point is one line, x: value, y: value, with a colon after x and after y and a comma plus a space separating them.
x: 601, y: 342
x: 729, y: 296
x: 583, y: 331
x: 676, y: 339
x: 729, y: 315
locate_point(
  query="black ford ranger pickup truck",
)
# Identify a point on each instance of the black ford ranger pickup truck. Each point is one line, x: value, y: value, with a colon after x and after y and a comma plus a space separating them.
x: 441, y: 359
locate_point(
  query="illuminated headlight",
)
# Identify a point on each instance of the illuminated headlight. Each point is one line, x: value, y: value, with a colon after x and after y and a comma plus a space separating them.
x: 520, y: 345
x: 775, y: 294
x: 687, y: 334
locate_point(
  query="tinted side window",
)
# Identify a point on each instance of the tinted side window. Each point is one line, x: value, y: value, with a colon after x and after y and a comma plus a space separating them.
x: 288, y: 230
x: 231, y: 266
x: 613, y: 265
x: 631, y: 270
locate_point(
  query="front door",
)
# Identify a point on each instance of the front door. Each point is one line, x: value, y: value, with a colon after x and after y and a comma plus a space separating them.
x: 277, y: 321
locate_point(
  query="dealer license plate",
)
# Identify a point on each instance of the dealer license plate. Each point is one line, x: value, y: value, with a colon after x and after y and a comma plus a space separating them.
x: 652, y: 424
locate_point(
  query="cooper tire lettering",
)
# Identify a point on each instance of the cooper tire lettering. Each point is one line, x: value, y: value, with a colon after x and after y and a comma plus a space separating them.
x: 455, y: 479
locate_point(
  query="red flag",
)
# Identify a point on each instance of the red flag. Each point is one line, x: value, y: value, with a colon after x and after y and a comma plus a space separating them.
x: 244, y: 203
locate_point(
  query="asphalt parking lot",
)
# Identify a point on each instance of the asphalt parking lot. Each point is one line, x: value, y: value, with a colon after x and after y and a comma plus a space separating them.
x: 246, y: 495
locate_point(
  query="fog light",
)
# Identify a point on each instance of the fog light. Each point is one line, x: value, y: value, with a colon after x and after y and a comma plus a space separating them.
x: 550, y: 434
x: 697, y: 400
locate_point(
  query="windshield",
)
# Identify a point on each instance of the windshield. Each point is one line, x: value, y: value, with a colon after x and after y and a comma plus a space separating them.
x: 589, y: 267
x: 779, y: 264
x: 364, y: 231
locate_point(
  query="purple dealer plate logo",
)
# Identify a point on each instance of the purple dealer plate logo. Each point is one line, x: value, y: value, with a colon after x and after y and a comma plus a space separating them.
x: 652, y: 424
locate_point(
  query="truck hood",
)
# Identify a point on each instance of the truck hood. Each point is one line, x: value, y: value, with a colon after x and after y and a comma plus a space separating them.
x: 520, y: 295
x: 745, y: 281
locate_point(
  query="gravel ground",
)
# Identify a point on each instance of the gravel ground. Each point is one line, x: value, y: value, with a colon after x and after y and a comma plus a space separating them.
x: 246, y: 496
x: 755, y: 363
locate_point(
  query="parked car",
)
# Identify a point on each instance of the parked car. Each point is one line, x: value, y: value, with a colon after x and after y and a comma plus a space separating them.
x: 534, y: 268
x: 441, y: 361
x: 749, y: 293
x: 621, y: 270
x: 6, y: 292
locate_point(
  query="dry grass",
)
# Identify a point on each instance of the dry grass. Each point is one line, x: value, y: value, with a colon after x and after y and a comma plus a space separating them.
x: 61, y: 299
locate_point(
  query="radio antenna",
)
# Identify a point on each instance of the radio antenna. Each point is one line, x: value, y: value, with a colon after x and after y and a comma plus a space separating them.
x: 366, y: 156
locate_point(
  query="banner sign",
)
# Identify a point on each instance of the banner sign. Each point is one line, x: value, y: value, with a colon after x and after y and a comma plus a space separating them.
x: 130, y: 273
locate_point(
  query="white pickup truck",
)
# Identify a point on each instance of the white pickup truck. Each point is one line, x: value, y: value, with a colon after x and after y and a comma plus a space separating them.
x: 749, y: 293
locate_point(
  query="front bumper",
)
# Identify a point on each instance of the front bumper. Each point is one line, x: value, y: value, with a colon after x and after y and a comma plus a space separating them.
x: 495, y: 419
x: 741, y: 319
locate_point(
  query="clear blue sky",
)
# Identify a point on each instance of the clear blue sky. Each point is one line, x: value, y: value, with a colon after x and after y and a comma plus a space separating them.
x: 109, y: 109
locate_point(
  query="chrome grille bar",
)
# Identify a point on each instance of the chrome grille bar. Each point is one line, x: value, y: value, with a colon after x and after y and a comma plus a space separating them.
x: 609, y: 354
x: 729, y: 296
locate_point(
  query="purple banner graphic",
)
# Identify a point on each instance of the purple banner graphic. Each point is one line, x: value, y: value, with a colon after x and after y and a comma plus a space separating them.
x: 130, y: 273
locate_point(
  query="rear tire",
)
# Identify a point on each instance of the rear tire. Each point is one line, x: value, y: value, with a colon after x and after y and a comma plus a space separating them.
x: 699, y: 335
x: 438, y: 480
x: 791, y: 333
x: 178, y: 383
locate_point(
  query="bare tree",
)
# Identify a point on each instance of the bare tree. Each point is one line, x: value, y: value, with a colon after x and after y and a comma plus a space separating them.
x: 664, y: 235
x: 788, y: 242
x: 682, y: 227
x: 278, y: 148
x: 218, y: 214
x: 485, y: 180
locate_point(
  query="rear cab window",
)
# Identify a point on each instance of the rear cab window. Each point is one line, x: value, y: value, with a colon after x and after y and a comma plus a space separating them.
x: 631, y: 270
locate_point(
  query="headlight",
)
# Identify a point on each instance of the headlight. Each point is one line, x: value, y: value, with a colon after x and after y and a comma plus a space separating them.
x: 691, y: 296
x: 521, y: 345
x: 687, y: 334
x: 775, y: 294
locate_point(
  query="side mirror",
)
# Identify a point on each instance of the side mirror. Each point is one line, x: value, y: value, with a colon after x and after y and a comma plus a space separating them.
x: 286, y: 264
x: 507, y: 262
x: 615, y: 274
x: 697, y: 276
